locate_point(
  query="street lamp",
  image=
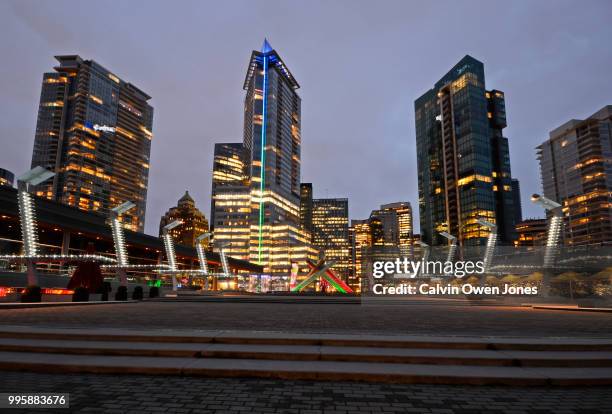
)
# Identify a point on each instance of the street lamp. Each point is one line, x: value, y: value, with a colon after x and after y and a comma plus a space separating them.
x: 544, y: 202
x: 453, y: 245
x: 426, y: 253
x: 491, y: 242
x: 555, y: 227
x: 226, y: 271
x: 170, y: 252
x: 202, y: 256
x: 27, y: 216
x: 119, y: 239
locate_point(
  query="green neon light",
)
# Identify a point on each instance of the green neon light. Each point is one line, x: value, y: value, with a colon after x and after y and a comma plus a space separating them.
x: 334, y: 284
x: 305, y: 283
x: 262, y: 182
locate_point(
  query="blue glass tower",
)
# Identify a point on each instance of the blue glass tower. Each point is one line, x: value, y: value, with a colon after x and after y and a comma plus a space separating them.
x: 463, y: 158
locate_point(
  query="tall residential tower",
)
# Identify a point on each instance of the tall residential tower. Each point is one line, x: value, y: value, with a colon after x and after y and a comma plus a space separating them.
x: 576, y: 168
x: 94, y: 132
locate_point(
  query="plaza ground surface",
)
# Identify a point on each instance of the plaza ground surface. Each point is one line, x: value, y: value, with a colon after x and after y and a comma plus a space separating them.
x: 135, y: 394
x: 416, y: 317
x: 139, y: 393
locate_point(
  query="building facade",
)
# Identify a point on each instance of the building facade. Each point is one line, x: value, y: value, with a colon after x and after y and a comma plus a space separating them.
x: 531, y: 232
x: 360, y: 235
x: 330, y: 233
x: 270, y: 194
x: 576, y: 171
x: 230, y: 210
x: 306, y: 206
x: 385, y: 235
x: 463, y: 158
x: 193, y: 222
x: 7, y: 178
x: 94, y: 131
x: 396, y: 221
x: 516, y: 200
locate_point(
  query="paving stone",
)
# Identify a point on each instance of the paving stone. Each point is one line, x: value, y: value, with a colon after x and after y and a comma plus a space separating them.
x: 424, y: 318
x: 198, y: 395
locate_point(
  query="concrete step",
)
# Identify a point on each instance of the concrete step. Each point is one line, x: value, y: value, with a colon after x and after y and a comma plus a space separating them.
x: 313, y: 370
x: 314, y: 353
x: 276, y: 338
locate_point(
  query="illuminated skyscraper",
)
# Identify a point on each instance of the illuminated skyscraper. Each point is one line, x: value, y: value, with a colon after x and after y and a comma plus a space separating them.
x: 330, y: 233
x: 94, y: 132
x: 193, y: 222
x: 396, y: 219
x: 360, y: 234
x: 272, y: 141
x: 230, y: 210
x: 269, y: 198
x: 463, y: 159
x: 385, y: 235
x: 575, y: 164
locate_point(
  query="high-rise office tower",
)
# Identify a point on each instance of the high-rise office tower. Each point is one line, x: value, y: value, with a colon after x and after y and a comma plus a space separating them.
x: 271, y: 154
x: 306, y: 206
x: 193, y: 222
x: 385, y: 235
x: 361, y: 239
x: 576, y: 172
x: 463, y: 158
x: 272, y: 124
x: 330, y: 233
x: 396, y: 220
x: 94, y: 132
x: 230, y: 209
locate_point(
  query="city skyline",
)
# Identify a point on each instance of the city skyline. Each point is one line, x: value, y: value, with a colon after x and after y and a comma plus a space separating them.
x: 395, y: 162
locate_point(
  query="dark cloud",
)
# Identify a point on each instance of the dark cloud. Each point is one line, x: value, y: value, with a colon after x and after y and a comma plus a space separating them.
x: 361, y: 64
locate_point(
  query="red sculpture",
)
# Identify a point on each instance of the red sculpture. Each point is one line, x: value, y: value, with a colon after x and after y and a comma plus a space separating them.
x: 87, y: 274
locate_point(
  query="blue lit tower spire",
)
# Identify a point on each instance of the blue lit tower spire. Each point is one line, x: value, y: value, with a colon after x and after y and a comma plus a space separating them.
x: 266, y: 48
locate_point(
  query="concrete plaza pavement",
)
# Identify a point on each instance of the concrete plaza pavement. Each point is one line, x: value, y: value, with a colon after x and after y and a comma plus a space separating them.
x: 422, y: 318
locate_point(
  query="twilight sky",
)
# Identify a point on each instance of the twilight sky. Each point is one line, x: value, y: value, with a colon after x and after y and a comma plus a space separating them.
x: 360, y: 64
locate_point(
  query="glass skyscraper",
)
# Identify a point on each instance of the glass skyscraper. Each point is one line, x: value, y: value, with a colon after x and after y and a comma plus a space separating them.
x: 94, y: 132
x: 396, y: 219
x: 330, y: 233
x: 463, y: 158
x: 271, y: 155
x: 230, y: 210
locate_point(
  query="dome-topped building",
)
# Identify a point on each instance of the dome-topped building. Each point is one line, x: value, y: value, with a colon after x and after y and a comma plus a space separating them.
x: 193, y: 220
